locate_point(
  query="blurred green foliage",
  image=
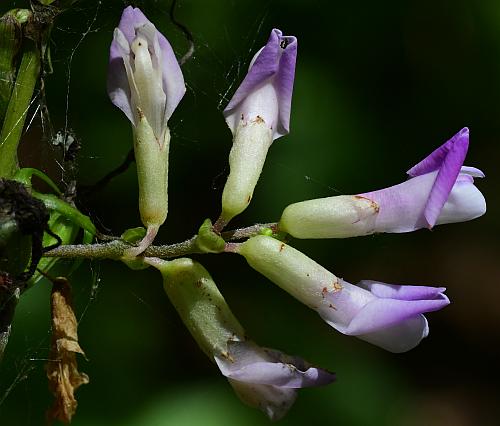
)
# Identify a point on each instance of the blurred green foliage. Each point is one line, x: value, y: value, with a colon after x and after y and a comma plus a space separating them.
x: 378, y: 86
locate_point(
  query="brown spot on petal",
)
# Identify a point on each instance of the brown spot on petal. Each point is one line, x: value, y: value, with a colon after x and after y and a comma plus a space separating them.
x: 324, y: 292
x: 373, y: 204
x: 249, y: 199
x: 332, y: 307
x: 282, y: 246
x: 226, y: 355
x: 337, y: 286
x: 140, y: 114
x: 258, y: 120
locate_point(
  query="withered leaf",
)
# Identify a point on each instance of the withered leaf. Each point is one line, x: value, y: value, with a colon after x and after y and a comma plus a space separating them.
x: 62, y: 369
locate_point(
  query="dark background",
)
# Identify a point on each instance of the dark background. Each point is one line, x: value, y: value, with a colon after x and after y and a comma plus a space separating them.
x: 378, y: 86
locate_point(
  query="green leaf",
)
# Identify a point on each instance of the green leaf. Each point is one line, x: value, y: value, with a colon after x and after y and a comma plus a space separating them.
x: 56, y: 204
x: 25, y: 175
x: 67, y: 232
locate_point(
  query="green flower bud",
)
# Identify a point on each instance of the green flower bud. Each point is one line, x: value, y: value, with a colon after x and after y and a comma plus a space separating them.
x: 207, y: 240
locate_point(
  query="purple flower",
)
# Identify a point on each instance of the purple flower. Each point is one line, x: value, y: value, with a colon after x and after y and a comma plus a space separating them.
x: 144, y: 76
x: 146, y: 83
x: 266, y: 91
x: 262, y: 378
x: 266, y: 378
x: 258, y: 113
x: 440, y: 190
x: 389, y: 316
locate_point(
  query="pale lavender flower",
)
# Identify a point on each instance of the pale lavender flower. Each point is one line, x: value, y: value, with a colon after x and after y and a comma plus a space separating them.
x: 268, y: 379
x: 266, y: 90
x: 143, y: 71
x: 440, y: 190
x: 389, y: 316
x: 258, y: 113
x: 146, y: 83
x: 262, y: 378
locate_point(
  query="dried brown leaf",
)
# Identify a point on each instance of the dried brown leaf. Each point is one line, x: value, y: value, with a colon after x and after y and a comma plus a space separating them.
x: 62, y: 369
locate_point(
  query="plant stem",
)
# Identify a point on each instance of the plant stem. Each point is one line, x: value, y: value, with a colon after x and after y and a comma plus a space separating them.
x: 115, y: 249
x: 19, y: 103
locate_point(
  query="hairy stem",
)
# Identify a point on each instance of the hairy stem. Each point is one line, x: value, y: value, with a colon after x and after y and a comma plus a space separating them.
x: 116, y: 249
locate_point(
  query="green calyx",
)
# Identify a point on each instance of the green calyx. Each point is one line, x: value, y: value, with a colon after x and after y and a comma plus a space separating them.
x: 207, y: 240
x: 133, y: 236
x: 199, y: 303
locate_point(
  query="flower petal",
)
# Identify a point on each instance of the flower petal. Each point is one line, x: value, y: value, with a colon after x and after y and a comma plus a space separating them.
x: 400, y: 337
x: 448, y: 159
x: 382, y: 313
x: 173, y: 80
x: 401, y: 292
x: 247, y: 362
x: 272, y: 400
x: 131, y: 19
x: 284, y: 82
x: 465, y: 202
x: 118, y: 83
x: 274, y: 64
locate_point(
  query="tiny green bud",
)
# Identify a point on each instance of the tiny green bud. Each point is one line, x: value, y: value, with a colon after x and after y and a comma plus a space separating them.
x: 133, y: 235
x: 266, y: 231
x: 207, y: 240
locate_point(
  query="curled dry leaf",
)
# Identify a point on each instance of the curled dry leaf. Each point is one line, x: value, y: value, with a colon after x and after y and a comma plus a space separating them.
x: 62, y: 369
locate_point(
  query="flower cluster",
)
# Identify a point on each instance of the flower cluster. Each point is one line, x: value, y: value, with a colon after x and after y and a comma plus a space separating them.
x: 146, y: 83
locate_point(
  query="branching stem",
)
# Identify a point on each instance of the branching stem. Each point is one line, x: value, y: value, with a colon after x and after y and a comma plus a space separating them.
x: 116, y: 249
